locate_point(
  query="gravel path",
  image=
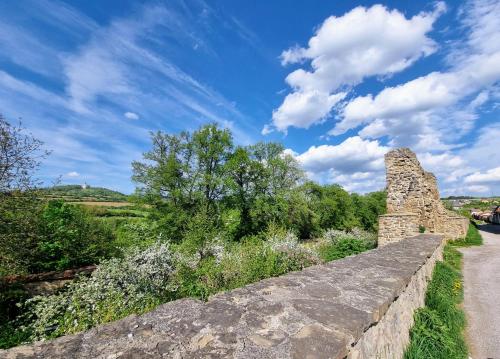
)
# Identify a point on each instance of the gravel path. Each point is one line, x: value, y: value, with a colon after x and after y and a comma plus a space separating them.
x: 482, y: 294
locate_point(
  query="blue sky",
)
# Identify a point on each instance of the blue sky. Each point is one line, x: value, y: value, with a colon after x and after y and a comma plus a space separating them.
x: 338, y: 82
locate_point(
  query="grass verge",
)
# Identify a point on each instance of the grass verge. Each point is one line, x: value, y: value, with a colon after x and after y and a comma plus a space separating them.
x: 438, y: 329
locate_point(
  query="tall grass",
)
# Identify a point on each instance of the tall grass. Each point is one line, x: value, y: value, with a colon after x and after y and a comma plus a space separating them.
x: 438, y: 329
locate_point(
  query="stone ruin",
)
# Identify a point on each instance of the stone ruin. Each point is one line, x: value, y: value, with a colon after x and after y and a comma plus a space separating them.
x: 413, y: 202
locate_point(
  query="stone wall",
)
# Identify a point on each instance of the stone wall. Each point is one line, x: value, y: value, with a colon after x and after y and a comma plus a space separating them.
x: 357, y: 307
x: 410, y: 189
x: 47, y: 282
x: 394, y: 227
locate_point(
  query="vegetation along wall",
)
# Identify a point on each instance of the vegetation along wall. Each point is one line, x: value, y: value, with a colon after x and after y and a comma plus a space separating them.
x: 358, y: 307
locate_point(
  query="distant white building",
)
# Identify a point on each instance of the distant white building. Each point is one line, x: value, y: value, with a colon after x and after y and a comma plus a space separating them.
x: 85, y: 186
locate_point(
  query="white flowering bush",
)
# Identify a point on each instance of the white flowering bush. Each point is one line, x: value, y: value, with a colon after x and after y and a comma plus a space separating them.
x: 336, y: 244
x: 287, y: 242
x: 334, y: 236
x: 118, y: 287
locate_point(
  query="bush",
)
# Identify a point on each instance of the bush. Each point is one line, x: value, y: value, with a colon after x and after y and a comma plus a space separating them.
x: 227, y: 266
x: 117, y: 288
x: 70, y: 237
x: 10, y: 295
x: 337, y: 244
x: 19, y: 231
x: 135, y: 233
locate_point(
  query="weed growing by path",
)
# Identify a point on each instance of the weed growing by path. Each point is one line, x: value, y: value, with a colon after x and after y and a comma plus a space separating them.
x: 438, y: 329
x: 473, y: 238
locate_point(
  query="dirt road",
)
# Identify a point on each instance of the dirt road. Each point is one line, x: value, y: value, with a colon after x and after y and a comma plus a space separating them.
x: 482, y: 294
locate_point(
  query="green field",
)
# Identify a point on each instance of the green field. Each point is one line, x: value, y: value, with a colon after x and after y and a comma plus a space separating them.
x: 75, y: 193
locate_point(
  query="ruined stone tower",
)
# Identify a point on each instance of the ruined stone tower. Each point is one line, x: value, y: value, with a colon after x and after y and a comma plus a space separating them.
x: 413, y: 201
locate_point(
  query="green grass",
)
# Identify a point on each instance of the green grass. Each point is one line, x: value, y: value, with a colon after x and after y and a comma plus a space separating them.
x: 438, y: 329
x: 473, y: 238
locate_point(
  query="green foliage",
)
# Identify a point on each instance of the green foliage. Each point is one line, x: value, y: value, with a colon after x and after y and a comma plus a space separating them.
x: 69, y: 237
x: 233, y: 216
x: 432, y: 339
x: 421, y: 229
x: 473, y: 238
x: 368, y: 207
x: 133, y: 232
x: 232, y: 266
x: 438, y: 329
x: 10, y: 295
x: 37, y: 236
x: 337, y: 244
x: 199, y: 236
x: 19, y: 231
x: 332, y: 205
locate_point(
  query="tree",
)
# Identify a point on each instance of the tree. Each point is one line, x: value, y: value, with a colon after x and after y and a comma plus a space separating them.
x: 20, y: 157
x: 333, y: 206
x: 211, y: 147
x: 184, y: 174
x: 368, y: 207
x: 242, y: 177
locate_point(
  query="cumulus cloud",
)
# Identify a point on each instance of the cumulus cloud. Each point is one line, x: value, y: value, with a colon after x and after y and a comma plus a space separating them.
x: 489, y: 177
x: 344, y: 50
x: 131, y: 115
x: 352, y: 155
x: 418, y: 97
x: 302, y: 109
x: 422, y: 111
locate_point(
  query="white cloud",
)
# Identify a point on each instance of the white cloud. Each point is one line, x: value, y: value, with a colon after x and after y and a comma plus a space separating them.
x: 489, y: 177
x: 360, y: 182
x: 363, y: 42
x: 266, y: 130
x: 351, y: 156
x: 92, y: 73
x: 73, y: 174
x: 440, y: 105
x: 131, y: 115
x: 304, y: 108
x: 432, y: 92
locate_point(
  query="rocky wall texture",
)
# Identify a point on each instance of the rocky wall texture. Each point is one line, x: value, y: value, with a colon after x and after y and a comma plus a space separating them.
x: 358, y: 307
x: 410, y: 189
x: 394, y: 227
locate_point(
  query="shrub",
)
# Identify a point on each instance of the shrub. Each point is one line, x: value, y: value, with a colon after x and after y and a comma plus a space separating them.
x: 226, y: 266
x: 118, y: 287
x: 70, y: 237
x: 336, y: 244
x: 136, y: 233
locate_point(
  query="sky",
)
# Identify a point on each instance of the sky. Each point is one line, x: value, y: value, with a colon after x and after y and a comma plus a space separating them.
x: 339, y: 83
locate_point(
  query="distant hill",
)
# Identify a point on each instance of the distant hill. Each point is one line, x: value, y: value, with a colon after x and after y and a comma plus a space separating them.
x: 78, y: 193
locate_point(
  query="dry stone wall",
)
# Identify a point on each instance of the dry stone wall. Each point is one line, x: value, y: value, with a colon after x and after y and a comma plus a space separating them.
x: 413, y: 193
x: 396, y: 226
x: 358, y: 307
